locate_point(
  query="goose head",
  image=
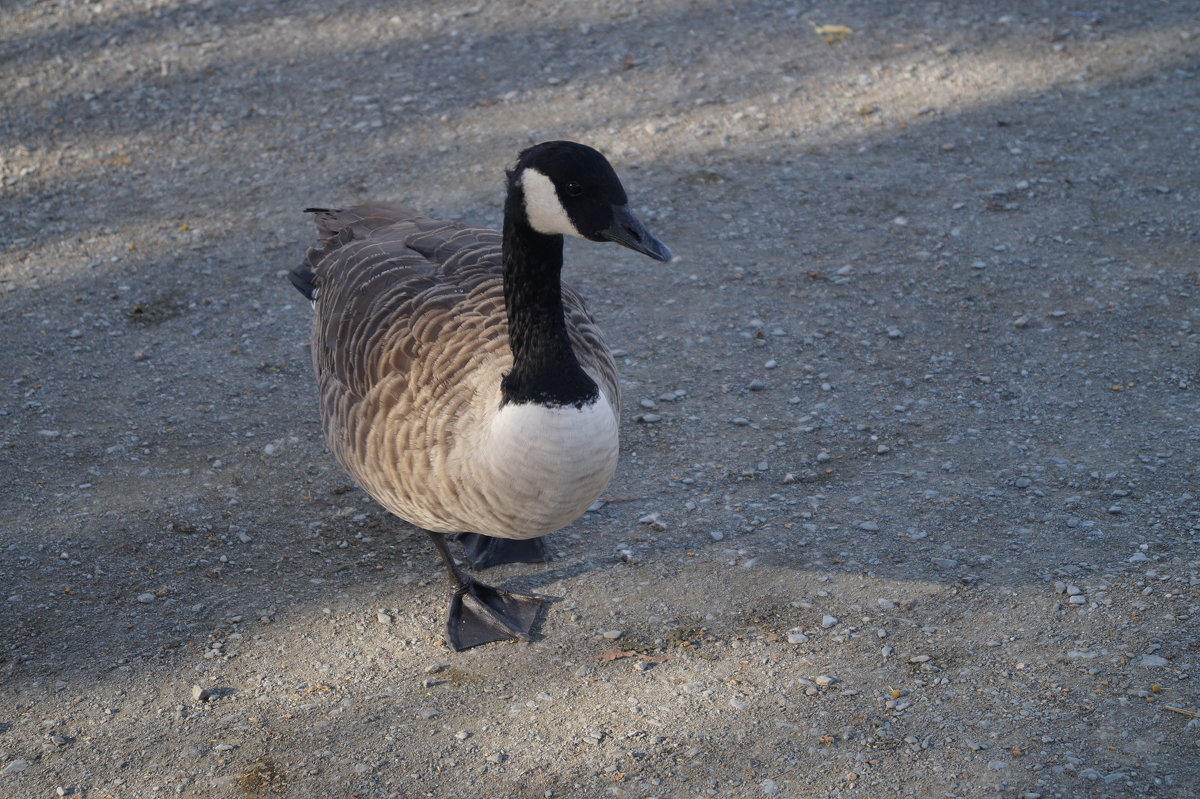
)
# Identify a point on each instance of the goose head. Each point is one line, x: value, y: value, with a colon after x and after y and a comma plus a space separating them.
x: 570, y: 189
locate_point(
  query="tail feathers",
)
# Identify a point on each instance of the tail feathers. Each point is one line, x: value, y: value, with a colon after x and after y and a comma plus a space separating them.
x: 304, y: 280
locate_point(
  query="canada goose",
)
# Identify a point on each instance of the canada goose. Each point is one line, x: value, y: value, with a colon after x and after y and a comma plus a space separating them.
x: 462, y: 385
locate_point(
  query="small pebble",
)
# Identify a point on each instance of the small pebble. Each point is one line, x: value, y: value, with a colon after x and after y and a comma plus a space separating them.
x: 1078, y: 599
x: 797, y: 638
x: 612, y: 635
x: 383, y: 618
x: 829, y: 621
x: 146, y: 598
x: 653, y: 520
x: 739, y: 704
x: 15, y: 767
x: 200, y: 694
x: 869, y: 526
x: 824, y: 680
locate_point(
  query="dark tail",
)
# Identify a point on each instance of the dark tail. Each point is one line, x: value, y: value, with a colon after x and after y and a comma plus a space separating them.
x: 303, y: 277
x: 304, y: 280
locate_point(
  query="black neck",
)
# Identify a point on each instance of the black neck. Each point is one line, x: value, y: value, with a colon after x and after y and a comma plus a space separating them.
x: 545, y: 369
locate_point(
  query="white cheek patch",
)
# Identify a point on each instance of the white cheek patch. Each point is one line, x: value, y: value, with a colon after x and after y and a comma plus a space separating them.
x: 542, y: 206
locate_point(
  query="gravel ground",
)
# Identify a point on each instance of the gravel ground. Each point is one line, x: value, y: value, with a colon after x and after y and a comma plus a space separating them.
x: 907, y: 502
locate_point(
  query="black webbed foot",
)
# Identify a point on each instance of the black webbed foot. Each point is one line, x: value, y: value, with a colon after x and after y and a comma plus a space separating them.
x: 482, y: 551
x: 480, y: 614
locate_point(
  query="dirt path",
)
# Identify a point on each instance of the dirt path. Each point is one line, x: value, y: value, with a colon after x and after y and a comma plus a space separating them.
x: 907, y: 502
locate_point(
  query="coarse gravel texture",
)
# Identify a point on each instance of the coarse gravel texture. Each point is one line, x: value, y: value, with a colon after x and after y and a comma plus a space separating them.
x: 907, y: 503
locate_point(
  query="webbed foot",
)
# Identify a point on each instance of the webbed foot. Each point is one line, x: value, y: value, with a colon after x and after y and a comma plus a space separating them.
x: 482, y: 551
x: 480, y: 614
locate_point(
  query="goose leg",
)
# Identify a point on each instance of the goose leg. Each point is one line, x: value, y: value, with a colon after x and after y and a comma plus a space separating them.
x: 480, y: 614
x: 482, y: 551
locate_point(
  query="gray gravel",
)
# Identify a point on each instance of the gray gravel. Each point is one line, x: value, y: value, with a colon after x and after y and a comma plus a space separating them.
x: 926, y: 365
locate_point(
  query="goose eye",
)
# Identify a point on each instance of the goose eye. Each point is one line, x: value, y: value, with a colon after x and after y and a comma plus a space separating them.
x: 574, y: 189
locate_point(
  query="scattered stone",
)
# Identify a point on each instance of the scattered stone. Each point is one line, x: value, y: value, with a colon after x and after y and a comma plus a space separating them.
x: 829, y: 621
x: 824, y: 680
x: 653, y: 520
x: 739, y: 704
x: 797, y: 637
x: 462, y: 735
x: 384, y: 618
x: 869, y: 526
x: 612, y: 635
x: 146, y: 598
x: 15, y: 767
x: 201, y: 694
x: 1153, y: 661
x: 886, y: 604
